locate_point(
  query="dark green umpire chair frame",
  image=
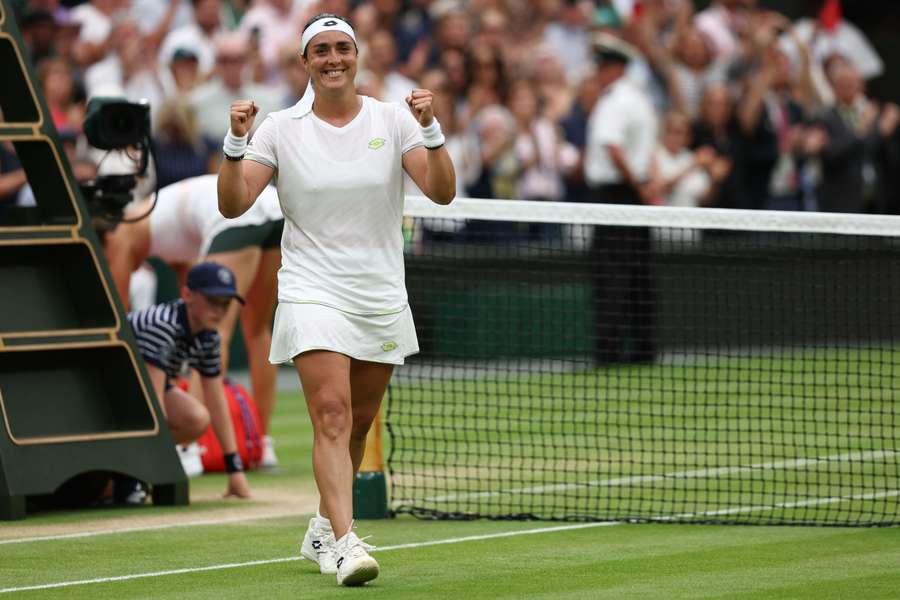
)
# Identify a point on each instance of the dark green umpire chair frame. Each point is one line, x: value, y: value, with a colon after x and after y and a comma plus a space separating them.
x: 75, y: 400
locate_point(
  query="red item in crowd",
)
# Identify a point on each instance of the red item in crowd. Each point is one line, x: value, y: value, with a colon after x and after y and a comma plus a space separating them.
x: 831, y: 15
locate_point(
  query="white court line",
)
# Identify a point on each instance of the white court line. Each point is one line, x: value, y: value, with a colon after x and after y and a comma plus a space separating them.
x: 86, y: 534
x: 697, y: 473
x: 470, y: 538
x: 270, y: 561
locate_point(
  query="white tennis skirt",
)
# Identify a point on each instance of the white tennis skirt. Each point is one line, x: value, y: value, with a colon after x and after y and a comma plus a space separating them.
x: 375, y: 338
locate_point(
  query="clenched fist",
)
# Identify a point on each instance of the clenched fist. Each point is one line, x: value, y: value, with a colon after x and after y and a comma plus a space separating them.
x: 419, y: 102
x: 243, y: 112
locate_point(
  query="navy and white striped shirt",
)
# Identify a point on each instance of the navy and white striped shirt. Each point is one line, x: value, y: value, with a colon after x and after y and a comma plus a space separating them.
x: 164, y: 340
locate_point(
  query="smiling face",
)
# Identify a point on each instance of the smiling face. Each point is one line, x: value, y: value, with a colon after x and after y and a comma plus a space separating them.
x: 330, y: 60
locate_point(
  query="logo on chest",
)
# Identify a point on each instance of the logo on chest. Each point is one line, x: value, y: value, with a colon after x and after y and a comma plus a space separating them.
x: 377, y: 143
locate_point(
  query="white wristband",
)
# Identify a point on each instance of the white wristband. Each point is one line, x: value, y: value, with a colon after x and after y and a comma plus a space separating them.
x: 432, y: 134
x: 235, y: 146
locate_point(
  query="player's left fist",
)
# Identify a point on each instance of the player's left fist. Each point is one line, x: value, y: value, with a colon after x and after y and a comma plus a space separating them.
x: 419, y: 102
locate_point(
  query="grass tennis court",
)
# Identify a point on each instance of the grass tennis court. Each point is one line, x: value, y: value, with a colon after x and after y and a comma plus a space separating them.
x: 219, y: 549
x: 801, y: 436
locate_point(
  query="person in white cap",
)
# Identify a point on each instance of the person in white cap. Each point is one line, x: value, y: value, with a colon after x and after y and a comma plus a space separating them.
x: 343, y: 318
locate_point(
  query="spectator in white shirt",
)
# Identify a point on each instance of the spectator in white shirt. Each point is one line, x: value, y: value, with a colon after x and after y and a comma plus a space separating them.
x: 198, y: 36
x: 213, y: 99
x: 620, y: 142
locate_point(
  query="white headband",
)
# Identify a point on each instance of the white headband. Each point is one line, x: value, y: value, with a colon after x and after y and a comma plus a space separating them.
x: 325, y: 24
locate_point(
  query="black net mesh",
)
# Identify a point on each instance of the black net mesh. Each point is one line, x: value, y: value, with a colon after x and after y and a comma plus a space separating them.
x: 579, y: 372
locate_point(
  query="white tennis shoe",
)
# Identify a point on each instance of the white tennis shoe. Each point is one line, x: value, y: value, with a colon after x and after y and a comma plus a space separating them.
x: 190, y: 458
x: 354, y: 565
x: 318, y: 545
x: 269, y: 460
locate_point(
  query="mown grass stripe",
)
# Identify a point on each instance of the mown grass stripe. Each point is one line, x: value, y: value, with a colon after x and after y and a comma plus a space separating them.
x: 270, y: 561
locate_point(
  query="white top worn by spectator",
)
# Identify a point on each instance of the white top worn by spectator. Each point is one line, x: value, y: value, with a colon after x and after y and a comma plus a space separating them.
x: 191, y: 37
x: 213, y: 99
x: 692, y: 187
x: 720, y: 25
x: 552, y: 157
x: 95, y: 24
x: 274, y: 27
x: 846, y: 40
x: 148, y: 14
x: 341, y: 212
x: 623, y: 116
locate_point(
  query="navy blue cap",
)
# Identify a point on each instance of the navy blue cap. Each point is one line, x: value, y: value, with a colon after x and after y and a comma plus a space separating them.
x: 213, y: 279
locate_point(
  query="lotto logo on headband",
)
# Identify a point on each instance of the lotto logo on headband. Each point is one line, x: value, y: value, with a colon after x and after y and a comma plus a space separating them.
x: 321, y: 25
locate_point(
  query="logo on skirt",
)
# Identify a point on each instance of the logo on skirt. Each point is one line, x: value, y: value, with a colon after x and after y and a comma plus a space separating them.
x: 388, y: 346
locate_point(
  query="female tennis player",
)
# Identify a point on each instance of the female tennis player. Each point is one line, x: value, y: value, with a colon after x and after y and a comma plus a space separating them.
x: 342, y: 317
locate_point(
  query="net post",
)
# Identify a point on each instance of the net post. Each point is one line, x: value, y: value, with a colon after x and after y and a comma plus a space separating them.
x: 370, y: 485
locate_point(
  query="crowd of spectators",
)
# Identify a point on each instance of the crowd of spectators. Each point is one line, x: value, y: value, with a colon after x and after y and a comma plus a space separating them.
x: 751, y: 109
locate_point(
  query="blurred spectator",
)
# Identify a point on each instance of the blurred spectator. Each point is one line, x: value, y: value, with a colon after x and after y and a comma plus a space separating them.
x: 96, y: 18
x: 771, y: 113
x: 381, y: 80
x: 185, y: 70
x: 555, y: 94
x: 574, y: 127
x: 620, y: 141
x: 542, y: 154
x: 679, y: 176
x: 687, y: 62
x: 212, y: 100
x: 157, y: 17
x: 717, y: 128
x: 56, y: 83
x: 462, y: 145
x: 12, y: 175
x: 197, y: 36
x: 725, y: 22
x: 130, y: 70
x: 621, y: 129
x: 857, y: 133
x: 487, y: 79
x: 452, y: 30
x: 181, y: 151
x: 38, y: 32
x: 829, y: 33
x: 500, y: 170
x: 567, y: 35
x: 293, y: 73
x: 269, y: 25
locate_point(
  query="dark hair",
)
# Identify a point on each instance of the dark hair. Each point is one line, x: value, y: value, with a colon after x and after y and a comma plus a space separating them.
x: 321, y: 16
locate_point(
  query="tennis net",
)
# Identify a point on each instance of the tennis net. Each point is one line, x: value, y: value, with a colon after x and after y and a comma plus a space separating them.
x: 598, y: 362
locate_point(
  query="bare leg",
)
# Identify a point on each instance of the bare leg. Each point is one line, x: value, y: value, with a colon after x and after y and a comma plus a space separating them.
x: 126, y: 247
x: 256, y: 325
x: 186, y: 415
x: 368, y: 382
x: 325, y: 377
x: 243, y: 263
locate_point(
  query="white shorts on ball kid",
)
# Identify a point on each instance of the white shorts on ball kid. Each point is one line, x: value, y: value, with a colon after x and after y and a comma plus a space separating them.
x: 300, y: 327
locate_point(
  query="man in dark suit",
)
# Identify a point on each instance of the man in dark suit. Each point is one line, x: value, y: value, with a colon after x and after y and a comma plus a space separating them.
x: 854, y: 155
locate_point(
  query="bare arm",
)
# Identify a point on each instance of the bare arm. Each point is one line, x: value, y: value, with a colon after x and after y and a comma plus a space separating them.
x: 12, y: 182
x: 220, y: 419
x: 240, y: 182
x: 158, y: 380
x: 431, y: 169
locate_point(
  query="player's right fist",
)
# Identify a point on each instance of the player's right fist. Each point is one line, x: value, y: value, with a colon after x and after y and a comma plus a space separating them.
x: 243, y: 112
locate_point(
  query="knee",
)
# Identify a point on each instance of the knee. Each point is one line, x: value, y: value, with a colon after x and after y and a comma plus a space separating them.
x: 196, y: 422
x: 361, y: 425
x: 332, y: 417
